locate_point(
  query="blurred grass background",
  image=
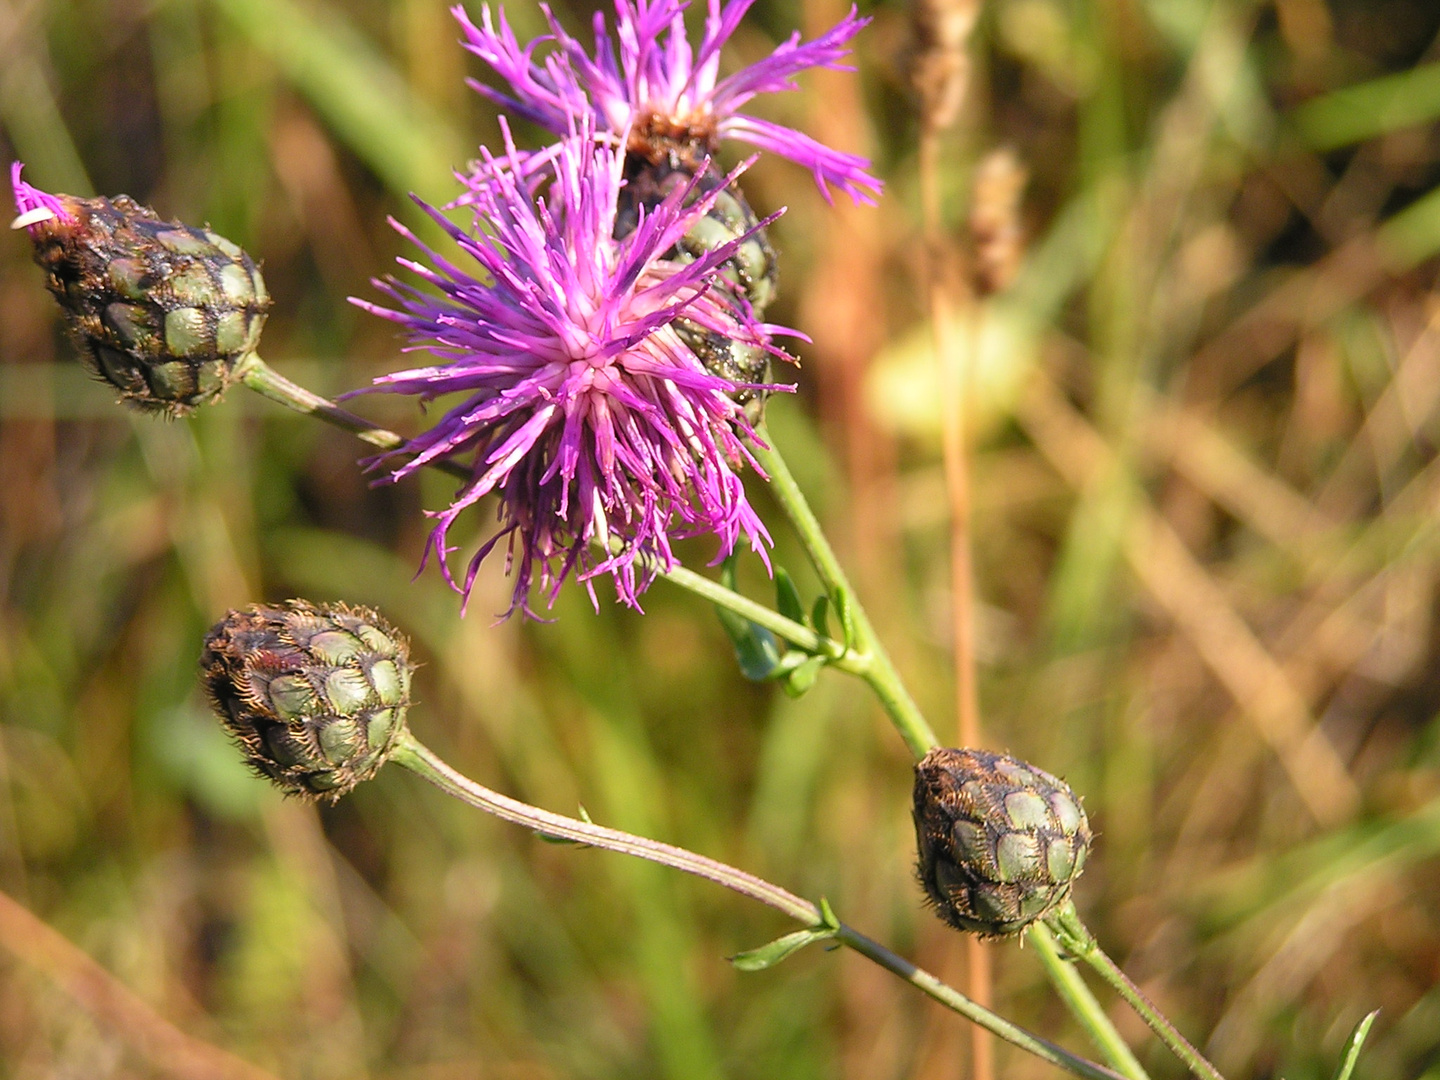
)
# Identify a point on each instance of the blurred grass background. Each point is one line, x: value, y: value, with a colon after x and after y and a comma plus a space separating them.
x: 1206, y: 418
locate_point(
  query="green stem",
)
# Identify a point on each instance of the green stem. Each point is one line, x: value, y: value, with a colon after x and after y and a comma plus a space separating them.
x: 1082, y: 1004
x: 267, y: 382
x: 411, y: 754
x: 953, y: 999
x: 884, y: 680
x: 856, y: 663
x: 1076, y: 939
x: 867, y: 658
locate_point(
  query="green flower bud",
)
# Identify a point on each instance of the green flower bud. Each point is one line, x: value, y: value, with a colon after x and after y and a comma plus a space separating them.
x: 653, y: 171
x: 161, y: 311
x: 314, y: 696
x: 1000, y: 841
x: 752, y: 271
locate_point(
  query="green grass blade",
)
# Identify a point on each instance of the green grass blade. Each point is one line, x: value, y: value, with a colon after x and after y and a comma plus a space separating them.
x: 357, y: 92
x: 1353, y: 1045
x: 1355, y: 113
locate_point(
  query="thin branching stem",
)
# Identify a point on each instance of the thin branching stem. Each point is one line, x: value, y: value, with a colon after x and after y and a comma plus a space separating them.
x: 1077, y: 940
x: 259, y: 376
x: 1083, y: 1005
x: 419, y: 759
x: 880, y: 674
x: 900, y: 707
x: 267, y: 382
x: 854, y: 661
x: 411, y: 754
x: 866, y: 658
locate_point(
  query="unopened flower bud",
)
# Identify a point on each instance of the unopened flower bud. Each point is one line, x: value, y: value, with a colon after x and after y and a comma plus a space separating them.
x: 160, y: 310
x: 1001, y: 842
x: 654, y: 169
x: 314, y: 696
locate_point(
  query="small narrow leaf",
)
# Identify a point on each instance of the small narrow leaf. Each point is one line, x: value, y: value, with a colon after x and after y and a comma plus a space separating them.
x: 1353, y: 1045
x: 827, y: 915
x: 551, y: 838
x: 847, y: 617
x: 771, y: 954
x: 820, y: 616
x: 787, y: 597
x: 756, y: 649
x: 788, y: 663
x: 803, y: 677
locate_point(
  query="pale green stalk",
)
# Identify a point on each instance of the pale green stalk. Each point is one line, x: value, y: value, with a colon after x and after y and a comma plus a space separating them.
x: 1077, y: 940
x: 1083, y: 1006
x: 849, y: 660
x: 267, y: 382
x: 881, y: 675
x: 259, y: 376
x: 905, y: 715
x: 411, y: 754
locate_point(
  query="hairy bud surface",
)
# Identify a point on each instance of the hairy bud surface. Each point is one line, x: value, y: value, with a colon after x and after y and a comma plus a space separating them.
x: 160, y: 310
x: 1001, y: 842
x: 315, y: 696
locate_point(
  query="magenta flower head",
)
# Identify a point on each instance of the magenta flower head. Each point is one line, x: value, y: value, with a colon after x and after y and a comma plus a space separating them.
x: 586, y: 412
x: 660, y: 94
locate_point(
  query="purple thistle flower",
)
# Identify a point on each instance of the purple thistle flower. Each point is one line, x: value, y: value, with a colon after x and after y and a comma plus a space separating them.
x: 33, y: 205
x: 599, y: 429
x: 661, y: 94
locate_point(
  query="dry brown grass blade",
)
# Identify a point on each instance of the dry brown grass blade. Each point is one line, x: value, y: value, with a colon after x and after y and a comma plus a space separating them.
x: 1327, y: 637
x: 1205, y: 457
x: 1274, y: 510
x: 1200, y: 609
x: 1392, y: 424
x: 1305, y: 299
x: 168, y: 1050
x: 941, y: 77
x: 1297, y: 958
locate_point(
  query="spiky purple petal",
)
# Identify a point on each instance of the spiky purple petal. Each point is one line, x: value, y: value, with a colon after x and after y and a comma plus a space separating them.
x: 646, y: 75
x: 601, y: 433
x: 33, y: 205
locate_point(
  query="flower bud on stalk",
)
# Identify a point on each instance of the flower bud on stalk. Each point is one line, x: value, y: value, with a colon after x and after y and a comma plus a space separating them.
x: 160, y: 310
x: 315, y: 696
x: 1000, y: 842
x: 654, y: 168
